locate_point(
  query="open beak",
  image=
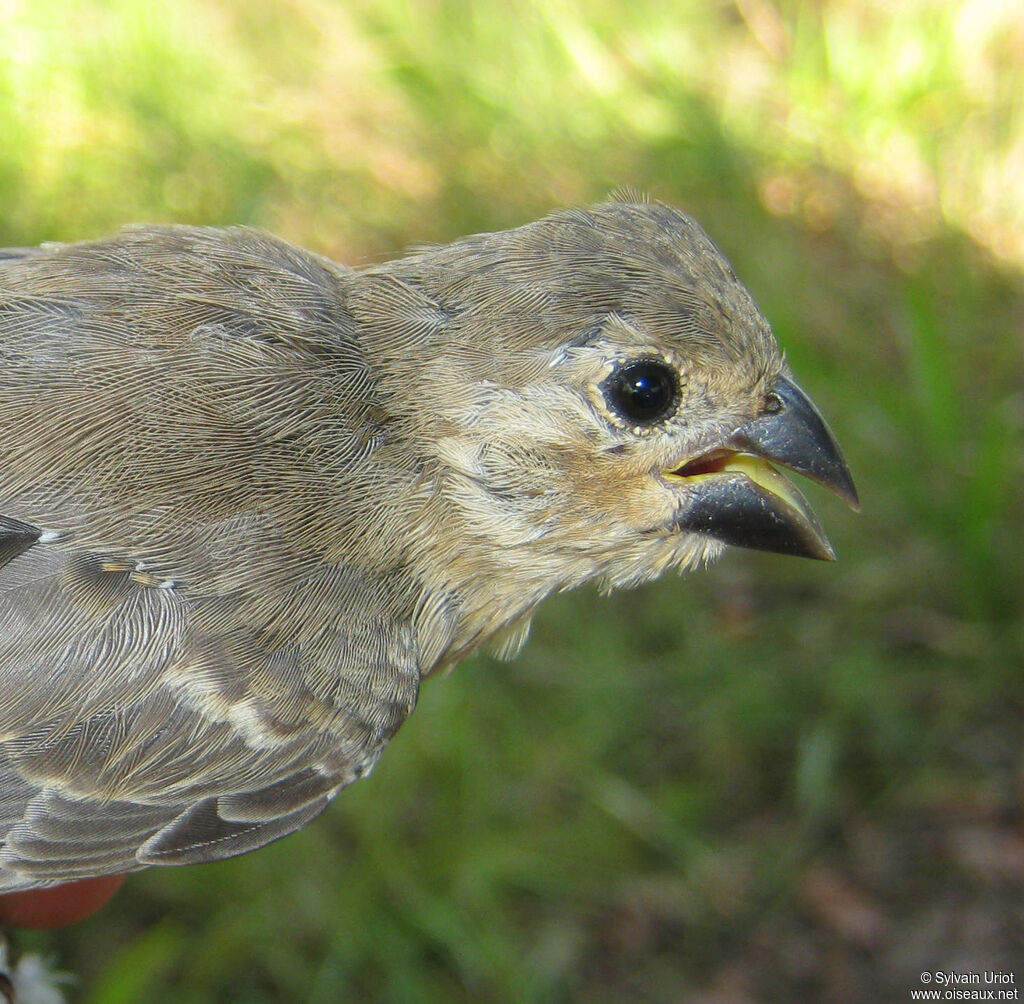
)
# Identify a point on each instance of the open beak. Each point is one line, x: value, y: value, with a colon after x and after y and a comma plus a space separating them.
x: 738, y: 497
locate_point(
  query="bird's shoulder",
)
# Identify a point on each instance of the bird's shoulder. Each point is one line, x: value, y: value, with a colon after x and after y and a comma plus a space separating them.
x: 203, y: 634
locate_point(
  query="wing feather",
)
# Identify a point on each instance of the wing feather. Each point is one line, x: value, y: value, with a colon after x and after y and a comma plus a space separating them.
x: 201, y: 637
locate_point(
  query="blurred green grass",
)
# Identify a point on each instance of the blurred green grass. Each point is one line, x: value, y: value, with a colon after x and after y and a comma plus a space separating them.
x: 642, y: 806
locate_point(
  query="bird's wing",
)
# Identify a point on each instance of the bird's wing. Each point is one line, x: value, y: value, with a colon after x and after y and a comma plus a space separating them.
x: 195, y: 655
x: 141, y: 725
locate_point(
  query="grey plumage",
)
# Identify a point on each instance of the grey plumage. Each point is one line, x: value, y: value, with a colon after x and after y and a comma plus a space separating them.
x: 249, y: 497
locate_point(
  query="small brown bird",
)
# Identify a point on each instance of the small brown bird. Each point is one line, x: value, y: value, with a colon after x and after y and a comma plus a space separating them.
x: 249, y: 498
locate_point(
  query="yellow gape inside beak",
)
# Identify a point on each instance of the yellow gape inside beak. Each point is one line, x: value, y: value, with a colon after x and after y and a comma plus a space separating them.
x: 735, y: 494
x: 743, y: 500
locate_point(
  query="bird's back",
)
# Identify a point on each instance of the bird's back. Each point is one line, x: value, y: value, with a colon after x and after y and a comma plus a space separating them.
x: 167, y: 503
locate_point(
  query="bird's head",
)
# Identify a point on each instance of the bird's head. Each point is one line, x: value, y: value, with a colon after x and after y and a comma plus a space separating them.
x: 602, y: 397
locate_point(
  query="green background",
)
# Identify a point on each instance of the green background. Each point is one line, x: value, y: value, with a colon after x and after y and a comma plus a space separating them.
x: 772, y: 781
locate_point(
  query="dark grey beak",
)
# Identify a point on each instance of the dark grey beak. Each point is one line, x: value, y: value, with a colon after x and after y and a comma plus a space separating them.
x: 737, y: 496
x: 793, y: 433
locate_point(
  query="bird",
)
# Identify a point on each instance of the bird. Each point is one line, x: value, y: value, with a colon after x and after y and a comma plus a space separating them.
x: 251, y: 498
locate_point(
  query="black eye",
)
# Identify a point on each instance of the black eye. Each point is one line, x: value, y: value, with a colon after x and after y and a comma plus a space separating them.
x: 642, y: 391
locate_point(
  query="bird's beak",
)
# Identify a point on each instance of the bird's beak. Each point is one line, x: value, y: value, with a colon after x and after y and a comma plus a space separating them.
x: 737, y: 496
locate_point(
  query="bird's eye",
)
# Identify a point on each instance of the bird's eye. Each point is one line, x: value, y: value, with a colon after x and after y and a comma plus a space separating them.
x: 642, y: 391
